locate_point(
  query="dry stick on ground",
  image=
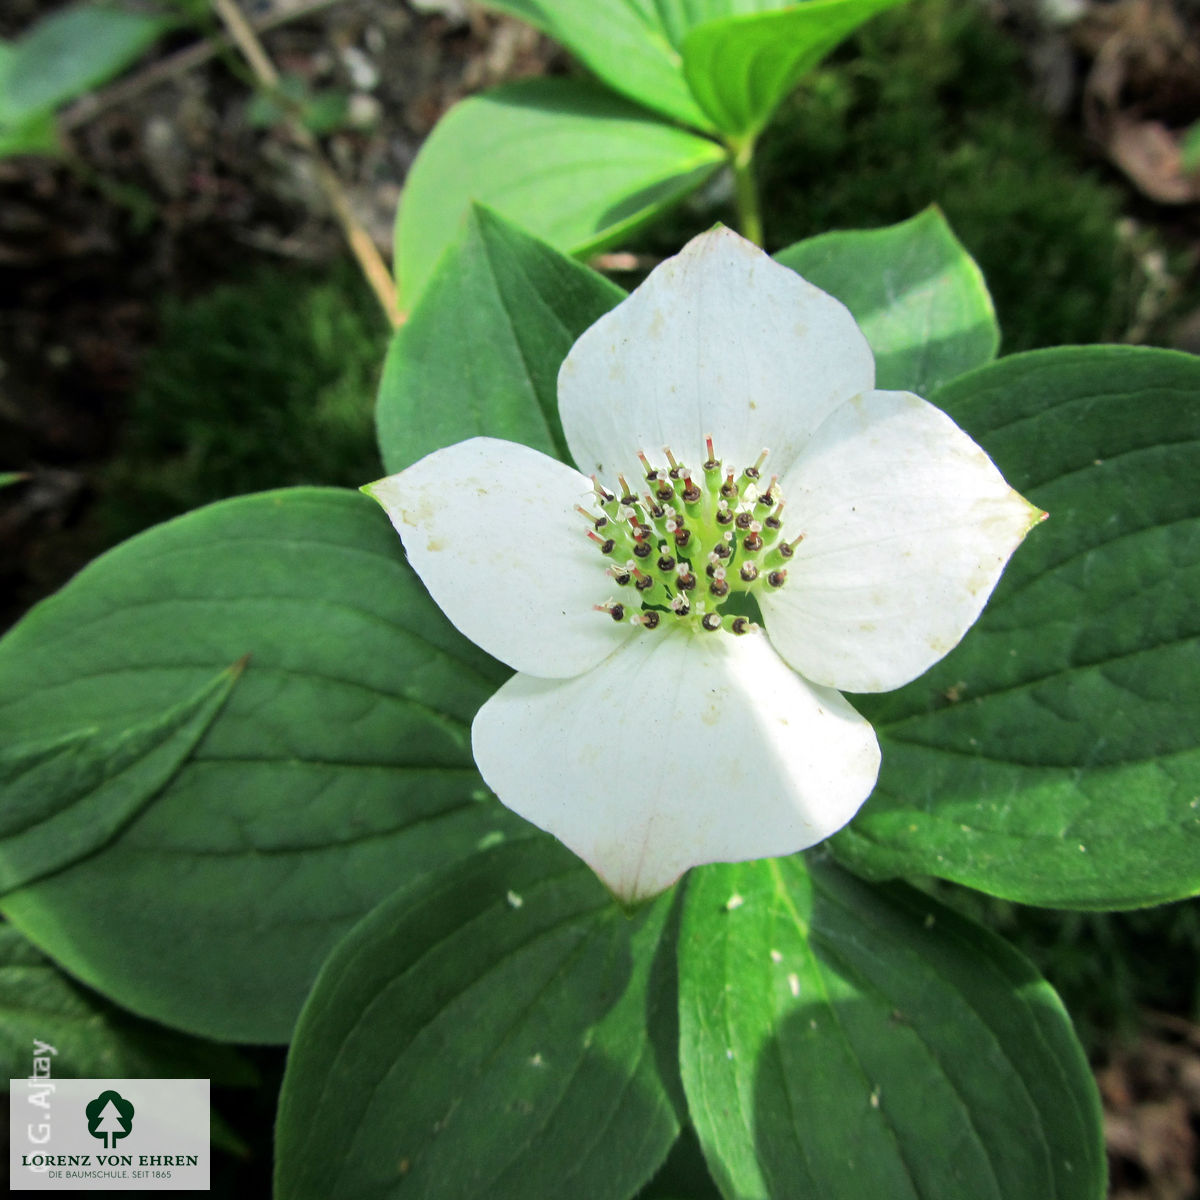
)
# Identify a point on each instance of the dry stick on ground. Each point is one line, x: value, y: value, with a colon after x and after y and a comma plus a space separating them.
x: 361, y: 245
x: 88, y: 107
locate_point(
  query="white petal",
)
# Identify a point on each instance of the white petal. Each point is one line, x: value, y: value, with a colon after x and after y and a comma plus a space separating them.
x: 491, y: 528
x: 718, y: 340
x: 678, y: 750
x: 907, y: 526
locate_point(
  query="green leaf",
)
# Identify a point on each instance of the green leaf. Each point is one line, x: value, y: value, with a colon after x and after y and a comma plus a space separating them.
x: 519, y: 306
x: 844, y: 1041
x: 1189, y: 148
x: 339, y: 768
x: 67, y: 797
x: 572, y: 163
x: 915, y: 292
x: 627, y: 43
x: 90, y: 1037
x: 321, y: 112
x: 68, y: 52
x: 1054, y: 757
x: 499, y: 1030
x: 37, y: 134
x: 8, y: 478
x: 634, y: 46
x: 326, y: 112
x: 740, y: 67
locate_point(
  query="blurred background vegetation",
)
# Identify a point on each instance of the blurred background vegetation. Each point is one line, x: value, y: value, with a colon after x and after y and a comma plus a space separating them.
x: 267, y: 379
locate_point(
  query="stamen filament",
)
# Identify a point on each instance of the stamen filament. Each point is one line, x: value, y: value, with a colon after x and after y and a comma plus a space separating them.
x: 685, y: 522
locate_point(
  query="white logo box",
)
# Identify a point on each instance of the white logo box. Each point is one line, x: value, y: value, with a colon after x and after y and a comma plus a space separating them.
x: 98, y: 1135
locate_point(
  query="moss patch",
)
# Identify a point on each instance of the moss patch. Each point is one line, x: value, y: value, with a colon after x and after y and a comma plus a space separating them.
x: 263, y: 383
x: 929, y: 104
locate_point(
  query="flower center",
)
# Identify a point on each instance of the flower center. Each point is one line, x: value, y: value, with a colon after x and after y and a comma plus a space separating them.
x: 686, y: 547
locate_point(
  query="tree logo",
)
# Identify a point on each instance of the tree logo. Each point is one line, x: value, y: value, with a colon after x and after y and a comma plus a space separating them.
x: 109, y: 1117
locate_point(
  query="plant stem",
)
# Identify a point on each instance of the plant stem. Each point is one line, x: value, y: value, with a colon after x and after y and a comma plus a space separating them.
x: 369, y: 260
x: 133, y: 199
x: 746, y: 190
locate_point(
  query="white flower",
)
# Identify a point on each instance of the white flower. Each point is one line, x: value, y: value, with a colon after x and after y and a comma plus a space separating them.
x: 665, y: 730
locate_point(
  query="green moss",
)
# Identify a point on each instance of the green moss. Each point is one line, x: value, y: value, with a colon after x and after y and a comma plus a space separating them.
x: 262, y: 383
x: 930, y: 105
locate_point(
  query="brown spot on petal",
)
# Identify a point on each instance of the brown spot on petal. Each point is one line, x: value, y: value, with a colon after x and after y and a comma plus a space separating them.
x: 420, y: 515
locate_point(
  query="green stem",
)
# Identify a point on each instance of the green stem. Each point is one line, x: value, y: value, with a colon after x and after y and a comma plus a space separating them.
x: 746, y: 190
x: 137, y: 202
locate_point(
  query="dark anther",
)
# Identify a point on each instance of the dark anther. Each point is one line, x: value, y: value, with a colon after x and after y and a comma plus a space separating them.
x: 606, y: 547
x: 722, y: 550
x: 752, y: 543
x: 650, y: 619
x: 664, y: 491
x: 719, y: 588
x: 655, y: 511
x: 601, y: 522
x: 749, y: 572
x: 677, y: 472
x: 724, y: 516
x: 740, y: 625
x: 622, y: 578
x: 711, y: 622
x: 786, y: 549
x: 729, y: 488
x: 644, y: 582
x: 691, y: 494
x: 773, y: 523
x: 642, y: 550
x: 776, y: 578
x: 750, y: 473
x: 682, y: 536
x: 629, y: 499
x: 683, y: 607
x: 617, y: 612
x: 666, y: 563
x: 712, y: 464
x: 742, y: 520
x: 686, y: 582
x: 766, y: 499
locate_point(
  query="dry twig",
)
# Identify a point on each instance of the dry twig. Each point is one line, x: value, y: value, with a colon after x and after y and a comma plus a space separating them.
x: 363, y: 248
x: 88, y: 107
